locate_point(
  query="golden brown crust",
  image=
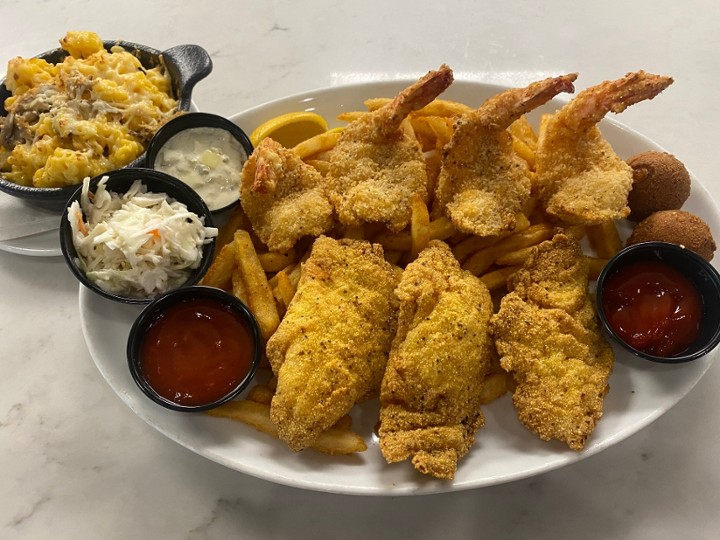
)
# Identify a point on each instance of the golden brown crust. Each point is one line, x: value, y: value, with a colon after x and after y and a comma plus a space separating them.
x: 580, y: 178
x: 377, y: 166
x: 483, y: 184
x: 283, y: 197
x: 331, y: 348
x: 547, y: 335
x: 430, y: 397
x: 660, y: 182
x: 678, y: 227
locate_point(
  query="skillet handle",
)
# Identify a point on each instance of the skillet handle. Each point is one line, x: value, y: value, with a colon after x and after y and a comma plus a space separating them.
x: 187, y: 65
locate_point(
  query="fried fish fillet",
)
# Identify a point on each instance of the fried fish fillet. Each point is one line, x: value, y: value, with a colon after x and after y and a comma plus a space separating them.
x: 283, y: 196
x: 377, y: 165
x: 548, y: 337
x: 430, y: 396
x: 483, y: 183
x: 580, y: 178
x: 331, y: 348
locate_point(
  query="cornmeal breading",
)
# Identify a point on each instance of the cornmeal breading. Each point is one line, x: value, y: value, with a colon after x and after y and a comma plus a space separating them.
x: 547, y: 335
x: 430, y: 397
x: 283, y: 196
x: 331, y: 348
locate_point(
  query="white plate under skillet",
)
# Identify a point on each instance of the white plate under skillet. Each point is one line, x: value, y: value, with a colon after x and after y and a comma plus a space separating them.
x: 504, y: 450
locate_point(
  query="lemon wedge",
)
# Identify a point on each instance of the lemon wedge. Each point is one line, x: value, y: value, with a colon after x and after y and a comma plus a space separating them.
x: 290, y: 129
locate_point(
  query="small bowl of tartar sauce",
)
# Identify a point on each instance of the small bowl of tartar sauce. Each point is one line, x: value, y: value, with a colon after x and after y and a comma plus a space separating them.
x: 205, y: 151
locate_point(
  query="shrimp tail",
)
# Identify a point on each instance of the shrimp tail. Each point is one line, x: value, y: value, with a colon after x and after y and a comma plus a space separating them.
x: 415, y: 97
x: 591, y: 105
x: 501, y: 110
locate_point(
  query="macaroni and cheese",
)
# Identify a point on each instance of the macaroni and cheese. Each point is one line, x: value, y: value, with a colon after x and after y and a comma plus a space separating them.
x: 93, y: 112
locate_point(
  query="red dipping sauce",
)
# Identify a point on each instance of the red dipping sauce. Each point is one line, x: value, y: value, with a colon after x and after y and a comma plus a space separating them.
x: 653, y: 307
x: 196, y: 352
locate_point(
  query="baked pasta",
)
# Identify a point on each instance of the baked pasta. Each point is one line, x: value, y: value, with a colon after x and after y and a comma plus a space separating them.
x: 93, y: 112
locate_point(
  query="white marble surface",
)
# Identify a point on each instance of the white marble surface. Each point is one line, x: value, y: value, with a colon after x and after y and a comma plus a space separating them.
x: 75, y: 462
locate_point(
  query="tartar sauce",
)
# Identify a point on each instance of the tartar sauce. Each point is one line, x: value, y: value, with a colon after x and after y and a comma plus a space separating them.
x: 209, y: 160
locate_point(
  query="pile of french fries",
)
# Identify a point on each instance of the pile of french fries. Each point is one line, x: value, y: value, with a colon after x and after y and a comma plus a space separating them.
x: 266, y: 282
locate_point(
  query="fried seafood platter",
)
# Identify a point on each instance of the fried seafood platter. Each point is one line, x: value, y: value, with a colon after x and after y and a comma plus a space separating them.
x: 383, y: 372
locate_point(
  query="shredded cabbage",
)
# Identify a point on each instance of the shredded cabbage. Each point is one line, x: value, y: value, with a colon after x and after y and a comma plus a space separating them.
x: 137, y: 244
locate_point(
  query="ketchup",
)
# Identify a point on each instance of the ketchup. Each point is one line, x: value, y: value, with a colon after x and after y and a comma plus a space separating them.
x: 653, y: 307
x: 196, y: 352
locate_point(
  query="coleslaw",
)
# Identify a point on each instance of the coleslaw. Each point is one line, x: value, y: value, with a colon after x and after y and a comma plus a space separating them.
x: 138, y: 243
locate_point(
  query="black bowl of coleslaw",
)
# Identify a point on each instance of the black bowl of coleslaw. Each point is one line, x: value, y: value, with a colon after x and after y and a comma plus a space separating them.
x: 186, y: 65
x: 133, y: 234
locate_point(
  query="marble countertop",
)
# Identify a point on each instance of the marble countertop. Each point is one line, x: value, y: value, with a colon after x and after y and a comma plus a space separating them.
x: 76, y: 462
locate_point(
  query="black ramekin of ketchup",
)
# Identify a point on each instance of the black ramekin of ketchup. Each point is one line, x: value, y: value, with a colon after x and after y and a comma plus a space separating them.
x: 661, y: 302
x: 194, y: 348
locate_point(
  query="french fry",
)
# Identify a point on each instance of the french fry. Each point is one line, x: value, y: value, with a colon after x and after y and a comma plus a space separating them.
x: 394, y: 241
x: 604, y: 239
x: 525, y: 152
x: 473, y: 244
x: 274, y: 279
x: 437, y: 107
x: 219, y: 273
x: 576, y: 231
x: 595, y: 266
x: 274, y: 262
x: 373, y: 104
x: 523, y: 131
x: 419, y: 227
x: 321, y: 165
x: 260, y: 298
x: 261, y: 394
x: 497, y: 279
x: 514, y: 258
x: 441, y: 228
x: 279, y: 304
x: 257, y: 415
x: 318, y: 143
x: 237, y: 220
x: 435, y: 131
x: 322, y: 156
x: 338, y: 442
x: 351, y: 116
x: 444, y: 108
x: 285, y: 289
x: 493, y: 387
x: 239, y: 290
x: 484, y: 259
x: 294, y: 275
x: 433, y: 164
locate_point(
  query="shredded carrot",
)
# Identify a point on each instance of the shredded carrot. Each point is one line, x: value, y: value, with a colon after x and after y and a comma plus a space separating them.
x: 81, y: 225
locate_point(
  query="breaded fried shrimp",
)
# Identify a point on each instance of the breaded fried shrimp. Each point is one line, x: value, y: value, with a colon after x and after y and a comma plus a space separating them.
x: 580, y: 178
x: 377, y: 165
x: 283, y: 197
x: 483, y: 184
